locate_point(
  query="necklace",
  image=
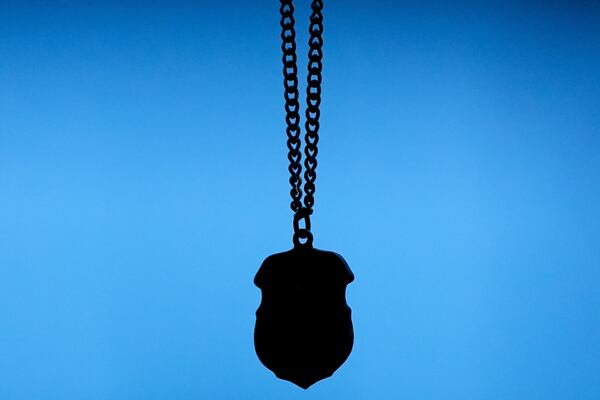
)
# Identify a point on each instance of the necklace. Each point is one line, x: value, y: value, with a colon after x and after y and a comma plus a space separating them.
x: 303, y: 329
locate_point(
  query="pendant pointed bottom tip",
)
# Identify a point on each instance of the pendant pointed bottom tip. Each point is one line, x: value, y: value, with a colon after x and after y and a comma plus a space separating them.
x: 303, y: 382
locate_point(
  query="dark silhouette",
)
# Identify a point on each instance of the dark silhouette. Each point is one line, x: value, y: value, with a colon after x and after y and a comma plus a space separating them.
x: 303, y: 325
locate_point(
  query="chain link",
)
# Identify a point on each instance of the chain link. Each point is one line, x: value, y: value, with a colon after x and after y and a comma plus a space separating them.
x: 292, y: 105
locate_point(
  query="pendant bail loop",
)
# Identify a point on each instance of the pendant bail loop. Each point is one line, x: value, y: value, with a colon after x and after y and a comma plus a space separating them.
x: 303, y: 213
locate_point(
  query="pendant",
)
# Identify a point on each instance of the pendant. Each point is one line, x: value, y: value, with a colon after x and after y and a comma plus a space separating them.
x: 303, y: 327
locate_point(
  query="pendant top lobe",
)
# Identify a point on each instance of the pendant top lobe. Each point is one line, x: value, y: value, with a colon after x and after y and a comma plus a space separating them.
x: 303, y: 327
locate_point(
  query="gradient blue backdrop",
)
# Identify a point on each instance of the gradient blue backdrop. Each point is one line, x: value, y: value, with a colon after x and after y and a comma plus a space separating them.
x: 143, y: 180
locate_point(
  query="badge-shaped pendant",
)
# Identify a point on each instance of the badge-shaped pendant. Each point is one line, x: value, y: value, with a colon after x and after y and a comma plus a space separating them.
x: 303, y: 327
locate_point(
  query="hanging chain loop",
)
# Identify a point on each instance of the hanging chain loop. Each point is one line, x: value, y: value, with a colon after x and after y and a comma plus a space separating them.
x: 302, y: 233
x: 292, y: 108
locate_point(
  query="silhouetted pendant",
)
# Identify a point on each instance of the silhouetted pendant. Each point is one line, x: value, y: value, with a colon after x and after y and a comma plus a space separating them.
x: 303, y: 327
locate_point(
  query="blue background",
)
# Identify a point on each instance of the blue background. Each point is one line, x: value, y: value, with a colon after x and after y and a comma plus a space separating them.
x: 143, y: 179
